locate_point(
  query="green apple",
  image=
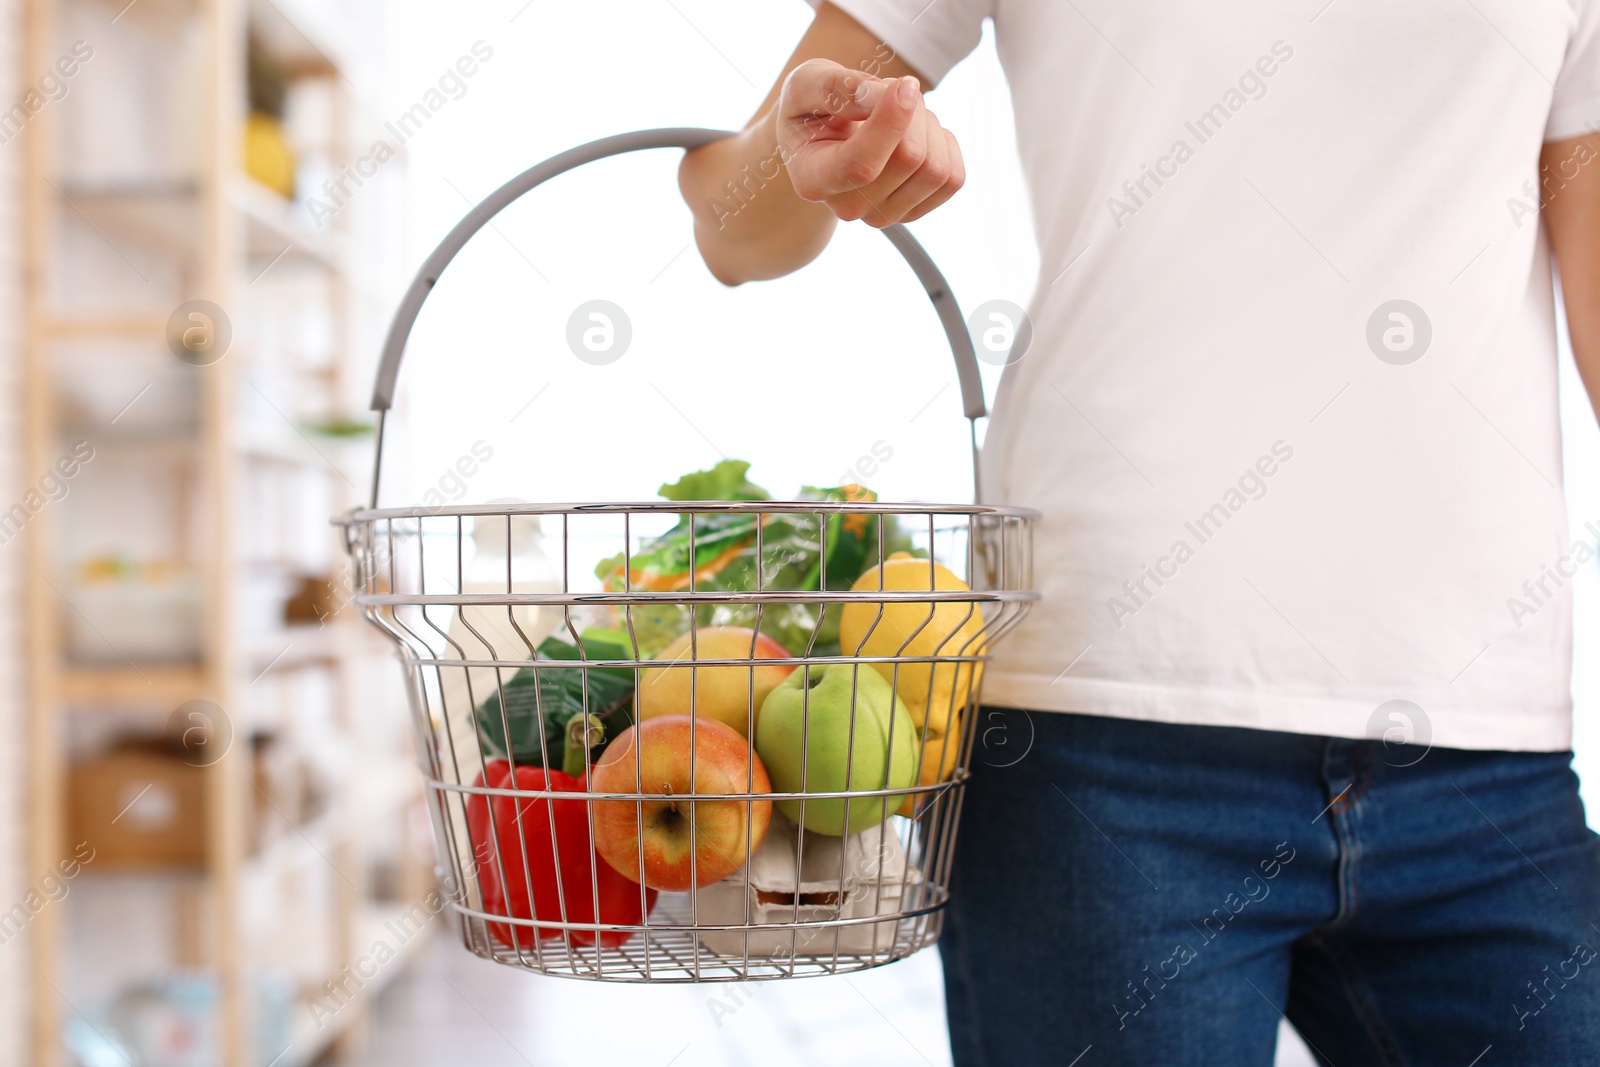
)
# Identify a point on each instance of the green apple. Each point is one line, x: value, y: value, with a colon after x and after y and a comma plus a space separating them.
x: 831, y: 745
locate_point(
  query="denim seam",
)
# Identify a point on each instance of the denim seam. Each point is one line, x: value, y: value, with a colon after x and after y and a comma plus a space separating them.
x: 1362, y: 1002
x: 1344, y: 867
x: 1346, y: 874
x: 1342, y: 816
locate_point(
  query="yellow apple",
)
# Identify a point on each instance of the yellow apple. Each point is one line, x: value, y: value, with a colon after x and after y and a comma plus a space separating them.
x: 729, y: 695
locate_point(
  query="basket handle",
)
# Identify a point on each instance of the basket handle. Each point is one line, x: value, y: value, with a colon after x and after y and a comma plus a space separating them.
x: 688, y: 138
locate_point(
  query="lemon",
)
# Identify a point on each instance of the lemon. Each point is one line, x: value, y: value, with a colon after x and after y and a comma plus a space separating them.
x: 938, y: 762
x: 934, y: 693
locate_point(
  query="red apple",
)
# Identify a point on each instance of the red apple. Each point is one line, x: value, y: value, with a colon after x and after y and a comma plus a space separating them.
x: 680, y: 843
x: 730, y: 695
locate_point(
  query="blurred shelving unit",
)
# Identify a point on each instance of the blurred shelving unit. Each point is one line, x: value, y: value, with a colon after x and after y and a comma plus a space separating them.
x: 188, y: 556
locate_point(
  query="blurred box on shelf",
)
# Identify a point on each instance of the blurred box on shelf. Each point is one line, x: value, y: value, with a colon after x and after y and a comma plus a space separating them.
x: 125, y: 611
x: 283, y: 790
x: 140, y: 806
x: 315, y: 600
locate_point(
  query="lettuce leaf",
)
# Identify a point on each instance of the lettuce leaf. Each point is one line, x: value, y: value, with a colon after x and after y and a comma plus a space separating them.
x: 799, y: 552
x: 725, y: 481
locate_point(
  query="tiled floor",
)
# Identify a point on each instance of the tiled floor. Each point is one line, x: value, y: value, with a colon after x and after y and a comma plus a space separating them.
x: 452, y: 1008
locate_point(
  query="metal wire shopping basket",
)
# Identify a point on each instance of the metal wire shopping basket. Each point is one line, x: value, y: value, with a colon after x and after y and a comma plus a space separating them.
x: 629, y: 777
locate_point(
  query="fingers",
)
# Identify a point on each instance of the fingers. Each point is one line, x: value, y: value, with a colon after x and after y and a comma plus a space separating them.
x: 866, y: 147
x: 957, y: 178
x: 924, y: 171
x: 927, y: 177
x: 883, y: 146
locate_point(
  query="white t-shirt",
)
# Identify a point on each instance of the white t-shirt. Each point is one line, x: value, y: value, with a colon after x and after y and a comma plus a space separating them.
x: 1273, y: 498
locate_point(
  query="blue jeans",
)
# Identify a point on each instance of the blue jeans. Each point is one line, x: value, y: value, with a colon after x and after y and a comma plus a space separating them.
x: 1151, y: 895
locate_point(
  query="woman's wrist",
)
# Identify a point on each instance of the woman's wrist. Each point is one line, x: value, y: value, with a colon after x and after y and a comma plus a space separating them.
x: 749, y: 224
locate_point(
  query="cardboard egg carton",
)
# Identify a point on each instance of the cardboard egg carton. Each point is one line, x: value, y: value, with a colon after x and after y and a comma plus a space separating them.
x: 795, y: 877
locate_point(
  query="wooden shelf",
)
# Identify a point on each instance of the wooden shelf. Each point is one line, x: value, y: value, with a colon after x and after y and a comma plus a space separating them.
x: 304, y: 38
x: 147, y: 686
x: 275, y: 231
x: 289, y: 448
x: 100, y: 876
x: 215, y: 233
x: 178, y: 440
x: 123, y: 326
x: 286, y: 449
x: 163, y: 213
x: 295, y: 648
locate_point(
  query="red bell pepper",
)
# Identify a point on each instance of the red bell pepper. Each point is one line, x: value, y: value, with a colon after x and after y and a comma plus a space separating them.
x: 521, y: 827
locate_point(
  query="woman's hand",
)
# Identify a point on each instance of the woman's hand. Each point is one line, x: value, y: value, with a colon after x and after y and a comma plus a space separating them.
x: 866, y: 147
x: 831, y: 141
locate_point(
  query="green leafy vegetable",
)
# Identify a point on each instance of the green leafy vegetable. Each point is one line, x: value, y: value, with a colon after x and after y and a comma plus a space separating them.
x: 797, y: 552
x: 725, y: 481
x: 563, y: 692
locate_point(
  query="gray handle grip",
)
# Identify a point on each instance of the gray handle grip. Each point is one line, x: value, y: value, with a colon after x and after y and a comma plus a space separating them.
x: 405, y: 317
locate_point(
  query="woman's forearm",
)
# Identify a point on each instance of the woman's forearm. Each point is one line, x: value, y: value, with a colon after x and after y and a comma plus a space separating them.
x: 748, y: 221
x: 1571, y: 178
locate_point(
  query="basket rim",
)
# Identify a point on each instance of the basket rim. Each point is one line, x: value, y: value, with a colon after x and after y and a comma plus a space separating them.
x: 735, y: 507
x: 798, y: 662
x: 798, y: 926
x: 888, y: 794
x: 739, y: 597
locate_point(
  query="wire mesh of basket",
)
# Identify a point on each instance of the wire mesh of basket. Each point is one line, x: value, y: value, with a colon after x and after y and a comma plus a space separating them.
x: 703, y: 740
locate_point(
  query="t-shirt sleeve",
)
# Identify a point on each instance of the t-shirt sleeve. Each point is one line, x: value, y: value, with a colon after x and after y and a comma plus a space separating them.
x: 1575, y: 110
x: 930, y: 35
